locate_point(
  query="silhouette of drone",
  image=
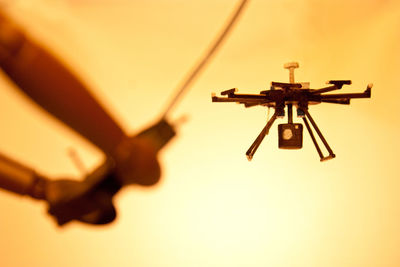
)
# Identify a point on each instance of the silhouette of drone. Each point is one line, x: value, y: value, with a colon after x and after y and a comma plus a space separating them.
x: 289, y: 94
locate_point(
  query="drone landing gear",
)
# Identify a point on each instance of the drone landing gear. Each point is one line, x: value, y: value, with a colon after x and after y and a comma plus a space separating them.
x: 322, y: 158
x: 253, y: 148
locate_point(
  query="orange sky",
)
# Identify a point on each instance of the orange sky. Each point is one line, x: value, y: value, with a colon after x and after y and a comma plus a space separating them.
x: 213, y: 207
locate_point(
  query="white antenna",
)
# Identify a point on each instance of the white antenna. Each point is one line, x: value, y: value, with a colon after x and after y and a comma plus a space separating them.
x: 291, y: 66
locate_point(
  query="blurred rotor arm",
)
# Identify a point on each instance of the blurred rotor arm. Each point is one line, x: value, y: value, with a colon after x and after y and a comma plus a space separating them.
x: 19, y: 179
x: 54, y: 87
x: 89, y: 201
x: 129, y: 159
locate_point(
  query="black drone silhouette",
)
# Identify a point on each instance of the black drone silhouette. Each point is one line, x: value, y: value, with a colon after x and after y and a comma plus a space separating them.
x: 289, y: 94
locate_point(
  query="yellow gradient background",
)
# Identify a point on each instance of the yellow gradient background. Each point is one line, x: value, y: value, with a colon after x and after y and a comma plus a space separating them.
x: 213, y: 207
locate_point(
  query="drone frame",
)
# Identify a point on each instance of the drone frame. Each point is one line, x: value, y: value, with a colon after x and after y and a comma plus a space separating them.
x: 288, y: 94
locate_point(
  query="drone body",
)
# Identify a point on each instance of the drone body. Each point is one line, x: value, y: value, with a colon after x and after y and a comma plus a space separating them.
x: 292, y: 94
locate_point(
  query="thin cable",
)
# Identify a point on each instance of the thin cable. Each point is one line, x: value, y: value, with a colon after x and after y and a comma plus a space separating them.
x: 187, y: 81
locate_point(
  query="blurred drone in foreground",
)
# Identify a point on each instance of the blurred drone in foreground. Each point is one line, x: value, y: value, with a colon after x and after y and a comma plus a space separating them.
x: 292, y: 94
x: 129, y: 159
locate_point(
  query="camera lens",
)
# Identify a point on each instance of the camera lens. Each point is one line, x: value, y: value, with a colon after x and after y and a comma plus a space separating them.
x: 287, y: 134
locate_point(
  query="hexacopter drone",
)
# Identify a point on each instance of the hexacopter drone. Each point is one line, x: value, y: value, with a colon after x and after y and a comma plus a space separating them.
x: 289, y: 94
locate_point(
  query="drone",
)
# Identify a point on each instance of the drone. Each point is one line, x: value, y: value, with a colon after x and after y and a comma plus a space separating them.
x: 129, y: 159
x: 292, y: 94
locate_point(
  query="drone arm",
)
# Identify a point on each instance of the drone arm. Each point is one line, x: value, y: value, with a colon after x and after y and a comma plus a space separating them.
x: 345, y: 101
x: 337, y: 84
x: 47, y: 81
x: 346, y: 96
x: 19, y: 179
x: 215, y: 98
x: 249, y: 105
x: 249, y: 100
x: 365, y: 94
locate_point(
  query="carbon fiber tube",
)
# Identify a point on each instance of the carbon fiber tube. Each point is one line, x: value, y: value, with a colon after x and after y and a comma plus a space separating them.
x: 19, y: 179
